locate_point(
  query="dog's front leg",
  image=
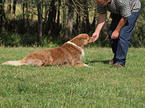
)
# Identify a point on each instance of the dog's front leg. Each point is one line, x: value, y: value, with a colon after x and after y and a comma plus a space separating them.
x: 80, y: 64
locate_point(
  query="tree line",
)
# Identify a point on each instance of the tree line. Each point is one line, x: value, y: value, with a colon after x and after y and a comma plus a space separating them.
x: 30, y: 21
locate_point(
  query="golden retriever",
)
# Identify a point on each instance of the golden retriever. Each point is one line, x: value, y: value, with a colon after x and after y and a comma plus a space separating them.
x: 70, y: 53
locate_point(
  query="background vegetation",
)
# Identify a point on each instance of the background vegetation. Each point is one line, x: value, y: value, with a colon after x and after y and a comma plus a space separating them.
x: 29, y: 22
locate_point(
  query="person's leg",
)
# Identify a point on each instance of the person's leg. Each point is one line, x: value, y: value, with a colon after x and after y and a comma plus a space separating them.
x: 124, y: 37
x: 113, y: 42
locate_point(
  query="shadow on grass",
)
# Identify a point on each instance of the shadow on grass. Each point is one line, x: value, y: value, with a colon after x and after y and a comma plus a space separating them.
x: 96, y: 61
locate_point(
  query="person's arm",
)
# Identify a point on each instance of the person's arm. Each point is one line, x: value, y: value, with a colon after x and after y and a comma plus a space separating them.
x: 101, y: 22
x: 116, y: 32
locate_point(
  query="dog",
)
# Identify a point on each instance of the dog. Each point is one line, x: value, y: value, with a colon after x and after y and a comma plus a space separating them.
x: 69, y: 54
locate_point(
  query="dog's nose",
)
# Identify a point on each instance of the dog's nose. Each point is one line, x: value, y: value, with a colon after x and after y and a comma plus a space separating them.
x: 91, y: 40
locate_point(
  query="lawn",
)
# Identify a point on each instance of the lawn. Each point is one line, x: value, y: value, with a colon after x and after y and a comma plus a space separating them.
x: 73, y: 87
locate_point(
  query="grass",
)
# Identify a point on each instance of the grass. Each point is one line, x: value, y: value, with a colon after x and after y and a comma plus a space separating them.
x: 73, y: 87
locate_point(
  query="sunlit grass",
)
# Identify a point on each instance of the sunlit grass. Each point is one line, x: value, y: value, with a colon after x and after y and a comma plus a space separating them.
x: 53, y: 86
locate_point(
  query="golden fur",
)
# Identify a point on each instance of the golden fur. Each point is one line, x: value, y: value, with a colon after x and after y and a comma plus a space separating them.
x: 69, y: 53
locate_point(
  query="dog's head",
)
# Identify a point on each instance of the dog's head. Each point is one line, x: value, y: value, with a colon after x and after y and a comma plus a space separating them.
x: 82, y: 40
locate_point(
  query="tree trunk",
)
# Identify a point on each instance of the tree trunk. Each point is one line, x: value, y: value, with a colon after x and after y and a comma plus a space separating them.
x: 70, y: 20
x: 39, y: 21
x: 23, y: 11
x: 51, y: 18
x: 58, y: 12
x: 78, y: 21
x: 9, y: 7
x: 14, y: 8
x: 27, y: 13
x: 2, y: 14
x: 93, y: 25
x: 86, y: 24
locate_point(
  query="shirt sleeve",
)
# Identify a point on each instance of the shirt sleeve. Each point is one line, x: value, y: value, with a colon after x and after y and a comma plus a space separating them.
x: 124, y: 8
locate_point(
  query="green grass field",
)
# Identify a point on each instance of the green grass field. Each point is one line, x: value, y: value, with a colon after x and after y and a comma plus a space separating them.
x: 73, y: 87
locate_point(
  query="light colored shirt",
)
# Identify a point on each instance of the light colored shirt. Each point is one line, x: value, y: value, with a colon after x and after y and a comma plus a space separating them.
x: 122, y: 7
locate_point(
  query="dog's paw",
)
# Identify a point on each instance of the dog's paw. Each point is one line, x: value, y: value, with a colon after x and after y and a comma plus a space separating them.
x: 88, y: 66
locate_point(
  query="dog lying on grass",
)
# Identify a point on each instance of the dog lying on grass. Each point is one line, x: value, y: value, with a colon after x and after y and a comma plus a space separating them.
x: 70, y: 53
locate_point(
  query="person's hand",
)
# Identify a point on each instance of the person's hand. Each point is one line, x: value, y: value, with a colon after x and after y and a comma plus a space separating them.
x: 115, y: 35
x: 95, y: 36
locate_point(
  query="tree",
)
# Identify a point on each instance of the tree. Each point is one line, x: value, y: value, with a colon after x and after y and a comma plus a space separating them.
x: 86, y: 24
x: 9, y: 7
x: 14, y: 7
x: 39, y: 8
x: 51, y: 18
x: 69, y: 21
x: 2, y: 14
x: 58, y: 20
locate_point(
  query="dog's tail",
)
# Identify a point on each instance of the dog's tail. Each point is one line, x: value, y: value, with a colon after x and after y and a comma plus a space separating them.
x: 14, y: 63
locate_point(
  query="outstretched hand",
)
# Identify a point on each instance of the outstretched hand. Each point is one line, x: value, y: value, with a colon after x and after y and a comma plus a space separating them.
x: 95, y: 36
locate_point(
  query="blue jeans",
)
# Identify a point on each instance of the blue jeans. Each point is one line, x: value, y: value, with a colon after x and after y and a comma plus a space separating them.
x: 120, y: 45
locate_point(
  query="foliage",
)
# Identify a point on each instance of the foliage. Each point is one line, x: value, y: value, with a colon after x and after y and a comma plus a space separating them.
x: 74, y: 87
x: 59, y: 20
x: 138, y: 38
x: 11, y: 39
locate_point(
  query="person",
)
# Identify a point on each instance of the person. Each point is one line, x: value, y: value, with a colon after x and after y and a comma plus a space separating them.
x: 124, y: 14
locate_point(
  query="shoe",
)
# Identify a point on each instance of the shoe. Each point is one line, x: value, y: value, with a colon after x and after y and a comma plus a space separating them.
x: 112, y: 61
x: 117, y: 65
